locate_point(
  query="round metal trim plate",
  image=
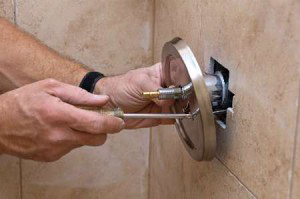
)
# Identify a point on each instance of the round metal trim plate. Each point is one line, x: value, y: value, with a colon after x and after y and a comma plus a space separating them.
x: 180, y: 67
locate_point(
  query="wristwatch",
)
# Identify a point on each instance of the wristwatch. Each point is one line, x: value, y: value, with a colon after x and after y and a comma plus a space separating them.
x: 90, y: 80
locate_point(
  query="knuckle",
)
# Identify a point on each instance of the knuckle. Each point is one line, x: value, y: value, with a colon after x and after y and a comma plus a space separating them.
x: 106, y: 124
x: 97, y: 126
x: 52, y: 86
x: 116, y: 126
x: 113, y: 125
x: 56, y: 138
x: 141, y: 77
x: 51, y: 82
x: 81, y: 94
x: 47, y: 113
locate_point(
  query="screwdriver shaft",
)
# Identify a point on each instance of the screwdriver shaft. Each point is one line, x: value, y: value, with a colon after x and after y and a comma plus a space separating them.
x: 156, y: 116
x: 119, y: 113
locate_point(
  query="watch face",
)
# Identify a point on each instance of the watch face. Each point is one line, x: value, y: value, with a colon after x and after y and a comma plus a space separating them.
x: 180, y: 68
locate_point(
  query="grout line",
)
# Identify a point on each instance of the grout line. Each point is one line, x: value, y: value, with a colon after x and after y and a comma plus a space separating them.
x: 293, y: 165
x: 153, y: 31
x: 229, y: 170
x: 15, y: 11
x: 21, y: 179
x: 237, y: 178
x: 149, y: 164
x: 151, y: 129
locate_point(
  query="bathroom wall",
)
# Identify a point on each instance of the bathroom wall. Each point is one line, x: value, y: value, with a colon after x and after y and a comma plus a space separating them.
x: 295, y: 190
x: 93, y: 33
x: 259, y: 42
x: 9, y: 166
x: 7, y: 9
x: 258, y: 155
x: 109, y: 36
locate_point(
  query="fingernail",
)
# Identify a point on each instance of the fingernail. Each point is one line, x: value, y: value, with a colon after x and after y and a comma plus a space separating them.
x: 122, y: 126
x: 104, y: 97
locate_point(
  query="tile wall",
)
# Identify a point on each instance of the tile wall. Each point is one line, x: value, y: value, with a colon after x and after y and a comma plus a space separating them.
x: 259, y: 42
x: 257, y: 156
x: 112, y: 37
x: 9, y: 166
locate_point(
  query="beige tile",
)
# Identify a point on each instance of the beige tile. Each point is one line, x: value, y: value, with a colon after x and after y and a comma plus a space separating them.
x: 117, y: 169
x: 295, y: 188
x: 9, y: 166
x: 295, y: 191
x: 6, y: 9
x: 9, y: 177
x: 112, y: 37
x: 175, y: 175
x: 258, y: 41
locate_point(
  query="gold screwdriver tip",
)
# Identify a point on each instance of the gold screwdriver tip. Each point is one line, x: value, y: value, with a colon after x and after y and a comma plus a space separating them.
x: 150, y: 95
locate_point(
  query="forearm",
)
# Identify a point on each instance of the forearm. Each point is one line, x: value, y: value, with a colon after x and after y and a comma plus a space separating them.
x: 24, y: 60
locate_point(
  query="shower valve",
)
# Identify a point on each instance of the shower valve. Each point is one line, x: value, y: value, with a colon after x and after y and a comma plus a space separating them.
x: 215, y: 84
x: 170, y: 93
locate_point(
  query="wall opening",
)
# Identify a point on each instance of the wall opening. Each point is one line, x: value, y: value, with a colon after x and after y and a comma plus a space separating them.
x: 220, y: 111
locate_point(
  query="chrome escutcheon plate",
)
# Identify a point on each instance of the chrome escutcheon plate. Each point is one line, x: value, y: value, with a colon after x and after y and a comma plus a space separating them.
x: 180, y: 67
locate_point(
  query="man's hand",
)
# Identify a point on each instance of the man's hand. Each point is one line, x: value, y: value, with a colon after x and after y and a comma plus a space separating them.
x: 39, y: 122
x: 125, y: 92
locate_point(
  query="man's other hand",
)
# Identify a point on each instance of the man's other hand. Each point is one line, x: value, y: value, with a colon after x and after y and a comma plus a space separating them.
x: 40, y: 122
x: 125, y: 92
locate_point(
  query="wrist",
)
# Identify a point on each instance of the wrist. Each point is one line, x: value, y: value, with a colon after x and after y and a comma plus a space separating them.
x: 78, y: 75
x: 3, y: 111
x: 100, y: 87
x: 105, y: 87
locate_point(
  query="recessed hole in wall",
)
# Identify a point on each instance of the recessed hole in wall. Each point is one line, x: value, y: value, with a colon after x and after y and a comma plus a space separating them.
x: 220, y: 109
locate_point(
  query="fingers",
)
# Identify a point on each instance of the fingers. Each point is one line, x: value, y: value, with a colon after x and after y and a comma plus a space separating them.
x: 146, y: 123
x: 154, y: 85
x: 163, y: 103
x: 90, y: 121
x: 166, y: 121
x: 60, y: 147
x: 165, y: 109
x: 141, y: 123
x: 155, y: 82
x: 156, y: 71
x: 74, y: 95
x: 79, y: 119
x: 83, y: 138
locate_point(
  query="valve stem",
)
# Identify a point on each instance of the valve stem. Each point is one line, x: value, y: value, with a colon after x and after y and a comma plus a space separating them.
x: 170, y: 93
x: 150, y: 95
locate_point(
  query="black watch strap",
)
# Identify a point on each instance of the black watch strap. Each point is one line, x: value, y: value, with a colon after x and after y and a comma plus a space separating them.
x: 90, y: 80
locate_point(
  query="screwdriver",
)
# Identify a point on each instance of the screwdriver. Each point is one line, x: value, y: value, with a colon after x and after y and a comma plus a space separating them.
x: 117, y: 112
